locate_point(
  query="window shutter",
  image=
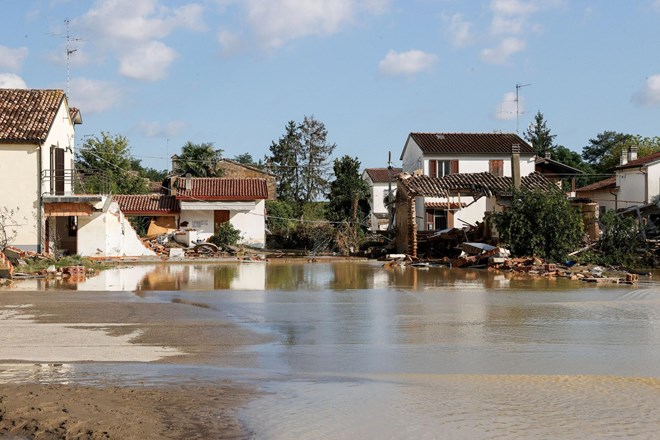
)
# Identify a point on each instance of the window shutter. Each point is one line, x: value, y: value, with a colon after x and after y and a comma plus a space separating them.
x: 496, y: 167
x: 454, y: 167
x: 433, y: 168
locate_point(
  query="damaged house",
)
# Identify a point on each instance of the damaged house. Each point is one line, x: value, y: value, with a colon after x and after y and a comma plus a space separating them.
x: 193, y: 208
x: 381, y: 181
x: 439, y: 155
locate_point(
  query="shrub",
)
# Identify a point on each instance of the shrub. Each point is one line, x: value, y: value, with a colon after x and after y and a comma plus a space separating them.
x: 541, y: 224
x: 226, y: 235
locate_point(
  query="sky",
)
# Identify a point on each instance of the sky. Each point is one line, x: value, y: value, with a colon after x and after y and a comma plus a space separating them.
x: 234, y: 72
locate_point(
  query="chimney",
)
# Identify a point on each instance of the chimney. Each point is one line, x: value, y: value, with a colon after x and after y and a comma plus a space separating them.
x: 515, y: 165
x: 174, y: 160
x: 624, y: 157
x: 548, y: 155
x: 633, y: 153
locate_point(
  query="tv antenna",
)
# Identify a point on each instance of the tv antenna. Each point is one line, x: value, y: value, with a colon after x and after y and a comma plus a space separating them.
x: 518, y: 87
x: 69, y: 51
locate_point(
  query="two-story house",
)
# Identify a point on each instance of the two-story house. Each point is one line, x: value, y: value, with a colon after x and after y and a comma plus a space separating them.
x: 36, y: 163
x: 444, y: 154
x: 381, y: 181
x: 636, y: 183
x: 39, y: 208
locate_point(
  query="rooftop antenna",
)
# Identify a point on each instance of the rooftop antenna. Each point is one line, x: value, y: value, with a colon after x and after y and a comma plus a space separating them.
x: 518, y: 87
x: 69, y: 52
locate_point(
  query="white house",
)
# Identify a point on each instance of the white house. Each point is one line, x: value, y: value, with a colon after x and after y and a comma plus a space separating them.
x: 443, y: 154
x: 36, y: 165
x: 636, y: 183
x: 197, y: 206
x: 381, y: 181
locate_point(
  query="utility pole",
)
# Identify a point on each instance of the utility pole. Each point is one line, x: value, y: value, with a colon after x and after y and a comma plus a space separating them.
x: 518, y: 87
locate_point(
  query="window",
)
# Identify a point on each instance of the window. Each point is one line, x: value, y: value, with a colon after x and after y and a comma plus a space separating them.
x: 436, y: 219
x: 441, y: 168
x: 496, y: 167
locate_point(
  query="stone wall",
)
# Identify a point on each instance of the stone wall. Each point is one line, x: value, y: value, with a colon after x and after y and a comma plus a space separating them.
x: 238, y: 171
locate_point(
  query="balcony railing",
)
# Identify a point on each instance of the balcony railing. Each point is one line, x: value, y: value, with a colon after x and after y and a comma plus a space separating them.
x: 69, y: 182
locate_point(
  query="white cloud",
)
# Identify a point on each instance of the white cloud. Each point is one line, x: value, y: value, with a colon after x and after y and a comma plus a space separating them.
x: 406, y: 63
x: 277, y: 21
x: 501, y: 53
x: 656, y: 5
x: 507, y: 25
x: 12, y: 59
x: 649, y: 94
x: 230, y: 42
x: 132, y: 31
x: 514, y: 7
x: 120, y: 21
x: 93, y: 96
x: 460, y: 31
x: 11, y: 81
x: 147, y: 62
x: 506, y: 109
x: 155, y: 129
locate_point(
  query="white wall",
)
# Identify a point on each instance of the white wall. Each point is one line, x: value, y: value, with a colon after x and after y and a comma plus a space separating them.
x: 19, y: 183
x: 61, y: 135
x: 632, y: 187
x: 653, y: 181
x: 480, y: 164
x: 252, y: 223
x: 472, y: 214
x: 412, y: 154
x: 109, y: 234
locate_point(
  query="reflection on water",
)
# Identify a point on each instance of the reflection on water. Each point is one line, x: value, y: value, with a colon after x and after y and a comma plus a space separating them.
x: 294, y: 276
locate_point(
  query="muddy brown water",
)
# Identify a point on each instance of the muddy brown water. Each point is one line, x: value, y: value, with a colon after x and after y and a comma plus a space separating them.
x: 360, y: 351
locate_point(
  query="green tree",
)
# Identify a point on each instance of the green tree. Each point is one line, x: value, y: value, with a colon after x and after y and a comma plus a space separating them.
x: 315, y: 160
x: 199, y: 160
x: 538, y: 134
x: 107, y: 167
x: 621, y: 241
x: 247, y: 159
x: 540, y: 224
x: 604, y: 151
x: 283, y: 162
x: 301, y: 160
x: 347, y: 191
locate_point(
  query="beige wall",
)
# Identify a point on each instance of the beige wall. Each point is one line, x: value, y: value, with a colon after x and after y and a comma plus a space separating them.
x: 19, y: 180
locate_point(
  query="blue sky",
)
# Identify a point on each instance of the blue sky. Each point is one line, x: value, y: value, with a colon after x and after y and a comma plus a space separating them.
x: 233, y: 72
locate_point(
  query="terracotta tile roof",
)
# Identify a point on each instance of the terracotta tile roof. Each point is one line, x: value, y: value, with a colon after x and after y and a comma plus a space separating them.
x: 480, y: 183
x: 214, y: 188
x: 381, y: 175
x: 153, y: 204
x: 608, y: 183
x: 470, y: 143
x: 640, y: 162
x: 445, y: 205
x: 26, y: 116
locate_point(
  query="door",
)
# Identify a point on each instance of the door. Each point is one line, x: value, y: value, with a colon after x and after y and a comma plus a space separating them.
x: 219, y: 217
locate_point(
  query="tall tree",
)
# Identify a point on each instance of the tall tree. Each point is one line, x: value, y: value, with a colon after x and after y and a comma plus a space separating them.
x: 315, y: 161
x: 199, y: 160
x: 538, y: 134
x: 604, y: 151
x: 107, y: 167
x: 283, y: 162
x: 348, y: 192
x: 301, y: 160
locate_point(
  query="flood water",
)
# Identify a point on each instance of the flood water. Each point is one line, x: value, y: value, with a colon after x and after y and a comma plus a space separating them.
x: 362, y: 351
